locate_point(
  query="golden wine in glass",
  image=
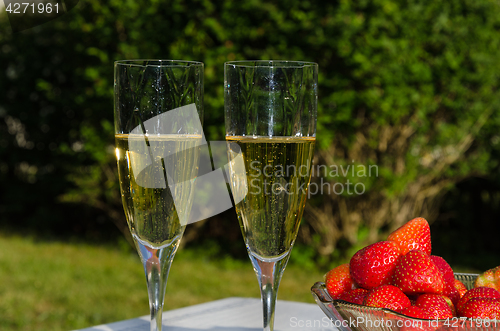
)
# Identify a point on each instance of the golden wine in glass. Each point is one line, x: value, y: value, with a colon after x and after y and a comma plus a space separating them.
x: 158, y: 133
x: 270, y: 115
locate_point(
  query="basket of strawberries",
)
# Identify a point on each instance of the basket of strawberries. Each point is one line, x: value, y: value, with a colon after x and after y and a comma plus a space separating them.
x: 398, y: 285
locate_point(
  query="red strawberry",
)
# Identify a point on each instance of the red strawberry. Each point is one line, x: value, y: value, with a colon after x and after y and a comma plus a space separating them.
x: 489, y: 278
x: 387, y: 296
x: 487, y: 308
x: 460, y: 288
x: 435, y: 305
x: 416, y: 273
x: 452, y: 293
x: 338, y: 281
x: 449, y: 278
x: 414, y: 235
x: 414, y: 311
x: 444, y: 268
x: 476, y: 292
x: 357, y: 295
x: 373, y: 265
x: 450, y: 304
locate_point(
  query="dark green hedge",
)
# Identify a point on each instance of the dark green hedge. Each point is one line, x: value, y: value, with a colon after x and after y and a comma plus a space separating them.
x: 409, y: 86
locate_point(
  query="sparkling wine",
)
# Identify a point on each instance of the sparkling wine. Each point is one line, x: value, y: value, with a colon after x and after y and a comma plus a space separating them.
x: 157, y: 175
x: 272, y: 187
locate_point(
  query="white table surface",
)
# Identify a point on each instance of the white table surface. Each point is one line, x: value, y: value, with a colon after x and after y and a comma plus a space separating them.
x: 231, y: 314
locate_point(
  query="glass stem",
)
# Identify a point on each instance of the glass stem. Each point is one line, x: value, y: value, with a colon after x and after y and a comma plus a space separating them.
x: 269, y: 274
x: 157, y: 264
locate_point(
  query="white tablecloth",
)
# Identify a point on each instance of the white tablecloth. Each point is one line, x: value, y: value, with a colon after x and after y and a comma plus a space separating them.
x: 231, y: 314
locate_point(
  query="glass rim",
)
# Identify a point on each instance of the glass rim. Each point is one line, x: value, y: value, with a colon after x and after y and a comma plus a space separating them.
x: 158, y: 63
x: 270, y: 64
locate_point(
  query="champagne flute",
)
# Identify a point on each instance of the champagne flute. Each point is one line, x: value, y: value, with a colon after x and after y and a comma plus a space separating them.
x: 158, y: 131
x: 270, y: 113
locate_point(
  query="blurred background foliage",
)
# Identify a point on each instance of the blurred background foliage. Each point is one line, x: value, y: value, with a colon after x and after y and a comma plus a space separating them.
x: 410, y: 88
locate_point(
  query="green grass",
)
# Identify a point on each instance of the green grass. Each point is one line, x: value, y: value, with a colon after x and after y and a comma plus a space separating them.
x: 65, y: 286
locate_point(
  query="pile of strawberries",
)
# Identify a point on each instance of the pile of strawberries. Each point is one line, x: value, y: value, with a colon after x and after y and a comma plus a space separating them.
x: 401, y: 274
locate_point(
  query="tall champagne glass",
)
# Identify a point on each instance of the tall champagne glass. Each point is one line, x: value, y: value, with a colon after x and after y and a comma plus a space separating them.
x: 158, y: 112
x: 270, y: 113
